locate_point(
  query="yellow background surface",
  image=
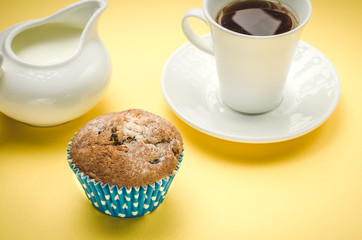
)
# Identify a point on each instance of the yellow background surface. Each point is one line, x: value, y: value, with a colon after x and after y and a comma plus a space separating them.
x: 306, y: 188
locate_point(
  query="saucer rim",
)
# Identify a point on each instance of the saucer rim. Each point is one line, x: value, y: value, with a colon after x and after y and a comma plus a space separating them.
x: 250, y: 139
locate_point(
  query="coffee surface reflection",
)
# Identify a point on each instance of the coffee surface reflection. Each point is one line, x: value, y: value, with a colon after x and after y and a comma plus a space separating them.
x: 258, y: 18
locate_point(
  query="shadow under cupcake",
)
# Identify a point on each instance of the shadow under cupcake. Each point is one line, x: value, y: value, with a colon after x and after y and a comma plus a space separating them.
x: 126, y: 161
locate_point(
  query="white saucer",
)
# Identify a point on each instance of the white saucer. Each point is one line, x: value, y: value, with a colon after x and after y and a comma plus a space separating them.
x: 190, y: 87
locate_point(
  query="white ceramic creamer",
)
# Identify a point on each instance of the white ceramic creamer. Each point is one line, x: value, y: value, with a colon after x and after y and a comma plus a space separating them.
x: 54, y: 69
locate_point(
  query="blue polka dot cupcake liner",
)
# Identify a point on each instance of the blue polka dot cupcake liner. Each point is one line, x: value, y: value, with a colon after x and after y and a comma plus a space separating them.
x: 124, y: 202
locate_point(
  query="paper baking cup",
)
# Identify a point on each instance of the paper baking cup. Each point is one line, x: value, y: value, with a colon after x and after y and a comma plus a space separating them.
x: 124, y: 202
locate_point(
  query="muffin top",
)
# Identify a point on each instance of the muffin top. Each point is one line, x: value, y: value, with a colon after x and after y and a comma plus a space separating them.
x: 131, y: 148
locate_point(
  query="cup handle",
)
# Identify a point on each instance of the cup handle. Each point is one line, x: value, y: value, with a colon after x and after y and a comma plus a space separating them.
x: 195, y: 39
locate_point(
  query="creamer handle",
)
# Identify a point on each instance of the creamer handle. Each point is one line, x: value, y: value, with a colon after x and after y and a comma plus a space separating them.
x: 1, y: 64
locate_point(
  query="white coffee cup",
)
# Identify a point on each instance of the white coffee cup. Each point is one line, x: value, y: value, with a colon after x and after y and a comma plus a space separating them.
x: 252, y: 70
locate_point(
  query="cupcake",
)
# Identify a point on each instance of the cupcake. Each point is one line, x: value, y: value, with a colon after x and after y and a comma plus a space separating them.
x: 126, y: 161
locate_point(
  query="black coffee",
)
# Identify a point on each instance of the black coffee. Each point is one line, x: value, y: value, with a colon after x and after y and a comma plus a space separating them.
x: 257, y: 17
